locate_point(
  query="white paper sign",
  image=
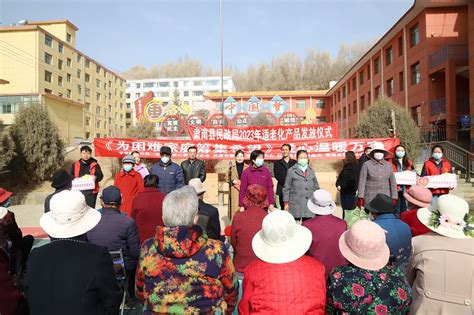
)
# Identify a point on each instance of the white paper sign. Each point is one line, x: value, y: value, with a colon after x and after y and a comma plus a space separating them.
x: 83, y: 184
x: 406, y: 178
x: 439, y: 181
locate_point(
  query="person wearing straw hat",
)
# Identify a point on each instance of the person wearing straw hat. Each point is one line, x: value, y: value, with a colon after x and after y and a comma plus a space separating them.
x: 283, y: 280
x: 377, y: 177
x: 417, y: 197
x: 130, y: 183
x: 442, y: 264
x: 70, y: 275
x: 208, y: 212
x: 398, y: 233
x: 368, y: 285
x: 326, y: 230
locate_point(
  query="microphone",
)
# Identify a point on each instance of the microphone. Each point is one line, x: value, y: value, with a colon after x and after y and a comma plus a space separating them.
x: 230, y: 164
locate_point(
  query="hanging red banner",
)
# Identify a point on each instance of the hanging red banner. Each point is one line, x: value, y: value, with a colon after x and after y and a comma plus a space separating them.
x: 225, y: 150
x: 263, y: 134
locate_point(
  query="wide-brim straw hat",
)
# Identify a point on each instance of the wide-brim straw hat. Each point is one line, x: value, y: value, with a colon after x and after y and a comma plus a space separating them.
x: 281, y: 240
x: 70, y: 216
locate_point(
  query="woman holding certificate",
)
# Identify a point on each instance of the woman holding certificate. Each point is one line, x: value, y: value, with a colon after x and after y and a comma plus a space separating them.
x: 400, y: 164
x: 437, y: 165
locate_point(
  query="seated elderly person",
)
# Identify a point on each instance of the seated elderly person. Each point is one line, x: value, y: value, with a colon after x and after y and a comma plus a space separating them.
x: 180, y: 269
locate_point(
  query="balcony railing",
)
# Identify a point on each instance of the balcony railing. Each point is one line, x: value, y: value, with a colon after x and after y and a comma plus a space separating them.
x: 451, y: 52
x: 438, y: 106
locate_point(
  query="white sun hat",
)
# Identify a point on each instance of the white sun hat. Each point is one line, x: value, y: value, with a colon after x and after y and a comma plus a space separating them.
x: 281, y: 239
x: 70, y: 216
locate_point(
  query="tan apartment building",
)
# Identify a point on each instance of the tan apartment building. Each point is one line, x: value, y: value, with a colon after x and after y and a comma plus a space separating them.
x: 41, y: 64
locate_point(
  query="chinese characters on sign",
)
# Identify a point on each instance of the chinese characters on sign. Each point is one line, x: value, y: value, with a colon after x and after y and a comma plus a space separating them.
x: 289, y: 119
x: 195, y: 120
x: 216, y: 120
x: 172, y: 126
x: 259, y: 134
x: 323, y: 149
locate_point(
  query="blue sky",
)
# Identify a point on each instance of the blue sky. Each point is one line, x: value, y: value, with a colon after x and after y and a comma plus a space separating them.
x: 121, y: 34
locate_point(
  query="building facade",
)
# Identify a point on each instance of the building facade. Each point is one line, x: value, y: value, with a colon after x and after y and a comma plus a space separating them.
x: 425, y: 63
x: 42, y: 65
x: 189, y: 91
x: 309, y: 106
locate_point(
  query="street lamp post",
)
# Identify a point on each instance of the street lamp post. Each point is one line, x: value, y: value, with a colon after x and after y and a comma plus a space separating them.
x: 222, y: 57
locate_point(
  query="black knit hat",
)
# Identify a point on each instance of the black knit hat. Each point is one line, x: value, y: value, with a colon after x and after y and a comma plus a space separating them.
x: 61, y: 179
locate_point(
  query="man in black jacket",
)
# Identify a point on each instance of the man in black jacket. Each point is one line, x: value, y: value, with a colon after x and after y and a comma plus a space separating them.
x: 87, y: 165
x: 280, y: 168
x: 70, y: 275
x: 192, y: 167
x: 364, y: 156
x: 208, y: 214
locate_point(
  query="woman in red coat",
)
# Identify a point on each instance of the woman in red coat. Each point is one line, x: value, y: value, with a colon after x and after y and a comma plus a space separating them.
x: 437, y: 165
x: 283, y: 280
x: 401, y: 163
x: 130, y: 183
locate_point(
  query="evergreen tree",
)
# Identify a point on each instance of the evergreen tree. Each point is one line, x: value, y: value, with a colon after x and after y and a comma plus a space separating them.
x: 377, y: 123
x: 38, y: 147
x: 7, y: 149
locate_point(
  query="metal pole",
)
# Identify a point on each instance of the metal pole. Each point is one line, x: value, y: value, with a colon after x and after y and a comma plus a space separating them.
x: 222, y: 57
x: 393, y: 124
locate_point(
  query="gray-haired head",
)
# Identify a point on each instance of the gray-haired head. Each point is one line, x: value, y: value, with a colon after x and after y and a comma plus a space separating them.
x: 180, y: 207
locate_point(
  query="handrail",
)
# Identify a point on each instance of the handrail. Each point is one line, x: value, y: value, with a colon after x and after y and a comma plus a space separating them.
x: 459, y: 156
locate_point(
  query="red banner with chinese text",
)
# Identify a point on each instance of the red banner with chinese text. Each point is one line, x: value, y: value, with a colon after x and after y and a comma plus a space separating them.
x: 259, y: 134
x: 224, y: 150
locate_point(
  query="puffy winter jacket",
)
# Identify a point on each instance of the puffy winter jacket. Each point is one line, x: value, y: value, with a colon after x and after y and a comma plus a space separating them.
x: 170, y: 176
x: 117, y: 231
x: 297, y: 287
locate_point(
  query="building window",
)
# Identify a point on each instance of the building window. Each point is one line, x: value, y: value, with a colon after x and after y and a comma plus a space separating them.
x: 320, y: 103
x: 88, y: 121
x: 377, y: 91
x: 348, y: 110
x: 415, y: 74
x: 128, y: 115
x: 377, y: 65
x: 137, y: 85
x: 401, y: 81
x: 79, y: 58
x: 88, y: 92
x: 212, y: 82
x: 60, y: 64
x: 400, y: 46
x: 48, y: 58
x: 414, y: 36
x: 78, y: 73
x: 388, y: 56
x: 127, y: 95
x: 48, y: 91
x: 197, y: 83
x: 68, y: 37
x: 300, y: 104
x: 87, y: 77
x: 137, y: 95
x: 368, y: 73
x: 48, y: 40
x: 390, y: 87
x: 175, y: 83
x: 163, y: 84
x: 354, y: 84
x: 87, y: 63
x: 197, y: 93
x: 362, y: 102
x: 354, y: 107
x: 79, y: 89
x: 48, y: 76
x: 68, y: 78
x: 361, y: 77
x: 60, y: 47
x: 68, y: 93
x: 149, y: 84
x: 97, y: 96
x: 186, y: 93
x: 68, y: 62
x: 60, y: 81
x: 369, y: 98
x: 97, y: 83
x: 320, y: 119
x: 343, y: 92
x: 344, y: 112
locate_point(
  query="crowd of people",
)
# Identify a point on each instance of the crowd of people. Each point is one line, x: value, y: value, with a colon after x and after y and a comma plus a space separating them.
x: 285, y: 251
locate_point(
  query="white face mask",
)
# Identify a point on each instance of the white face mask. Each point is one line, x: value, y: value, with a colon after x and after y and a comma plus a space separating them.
x: 378, y: 156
